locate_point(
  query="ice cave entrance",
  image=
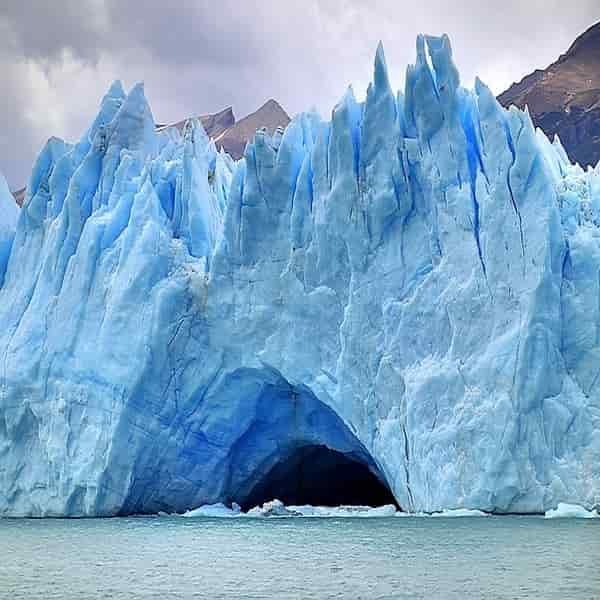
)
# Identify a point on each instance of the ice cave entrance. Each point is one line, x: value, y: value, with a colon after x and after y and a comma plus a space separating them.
x: 256, y: 437
x: 320, y: 476
x: 297, y: 449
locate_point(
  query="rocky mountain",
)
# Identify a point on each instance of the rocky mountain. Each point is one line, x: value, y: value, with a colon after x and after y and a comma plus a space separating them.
x: 214, y: 124
x: 564, y: 99
x: 233, y: 135
x: 20, y: 196
x: 234, y: 139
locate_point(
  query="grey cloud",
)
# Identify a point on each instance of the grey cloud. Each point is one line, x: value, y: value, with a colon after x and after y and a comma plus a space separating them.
x: 42, y: 29
x: 189, y: 32
x: 19, y: 142
x: 199, y: 56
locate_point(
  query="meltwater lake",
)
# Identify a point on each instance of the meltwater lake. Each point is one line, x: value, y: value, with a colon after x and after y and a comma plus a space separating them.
x: 406, y: 557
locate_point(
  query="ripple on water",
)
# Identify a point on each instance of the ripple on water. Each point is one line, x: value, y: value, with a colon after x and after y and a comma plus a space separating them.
x: 470, y: 558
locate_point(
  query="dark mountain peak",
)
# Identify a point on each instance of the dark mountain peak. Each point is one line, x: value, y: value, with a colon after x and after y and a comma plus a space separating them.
x: 218, y: 122
x: 232, y: 135
x: 20, y: 196
x: 564, y: 99
x: 271, y: 104
x: 586, y: 45
x: 269, y: 116
x: 227, y: 113
x: 271, y: 113
x: 214, y: 123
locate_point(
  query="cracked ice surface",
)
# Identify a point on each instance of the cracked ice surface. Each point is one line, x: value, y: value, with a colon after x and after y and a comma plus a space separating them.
x: 415, y: 283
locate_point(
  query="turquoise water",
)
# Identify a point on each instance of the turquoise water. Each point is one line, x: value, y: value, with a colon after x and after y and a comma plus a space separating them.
x: 460, y: 558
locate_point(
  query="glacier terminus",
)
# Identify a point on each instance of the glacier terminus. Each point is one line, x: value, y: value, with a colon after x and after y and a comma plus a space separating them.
x: 413, y: 285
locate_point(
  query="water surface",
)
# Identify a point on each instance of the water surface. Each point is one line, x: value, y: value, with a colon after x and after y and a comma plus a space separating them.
x: 446, y: 558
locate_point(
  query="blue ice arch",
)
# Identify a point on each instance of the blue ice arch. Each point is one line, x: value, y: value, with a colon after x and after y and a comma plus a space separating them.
x: 413, y: 286
x: 238, y: 446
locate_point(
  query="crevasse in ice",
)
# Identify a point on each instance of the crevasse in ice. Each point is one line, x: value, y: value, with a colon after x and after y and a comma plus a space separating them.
x: 415, y: 283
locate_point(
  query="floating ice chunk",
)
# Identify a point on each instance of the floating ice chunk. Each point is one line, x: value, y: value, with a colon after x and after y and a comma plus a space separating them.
x: 449, y: 513
x: 278, y: 509
x: 274, y: 508
x: 571, y: 511
x: 460, y: 512
x: 218, y: 510
x: 306, y: 510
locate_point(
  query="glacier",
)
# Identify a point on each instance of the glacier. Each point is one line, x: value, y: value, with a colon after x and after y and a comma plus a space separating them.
x: 414, y: 284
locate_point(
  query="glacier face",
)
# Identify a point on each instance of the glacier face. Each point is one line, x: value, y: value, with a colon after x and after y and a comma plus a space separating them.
x: 9, y: 213
x: 415, y: 283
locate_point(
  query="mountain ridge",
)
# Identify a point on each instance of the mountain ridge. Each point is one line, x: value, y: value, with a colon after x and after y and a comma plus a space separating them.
x: 564, y: 98
x: 232, y: 135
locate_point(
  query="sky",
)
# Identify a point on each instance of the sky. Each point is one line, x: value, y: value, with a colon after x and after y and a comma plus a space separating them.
x: 57, y: 58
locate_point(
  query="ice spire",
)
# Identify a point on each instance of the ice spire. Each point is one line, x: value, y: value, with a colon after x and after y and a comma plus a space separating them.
x: 381, y: 79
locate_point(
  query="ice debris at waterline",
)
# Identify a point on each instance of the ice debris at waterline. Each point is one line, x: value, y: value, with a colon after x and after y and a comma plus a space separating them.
x: 571, y: 511
x: 413, y: 286
x: 276, y: 508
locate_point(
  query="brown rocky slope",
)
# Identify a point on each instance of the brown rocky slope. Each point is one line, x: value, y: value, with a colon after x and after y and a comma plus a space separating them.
x: 564, y: 99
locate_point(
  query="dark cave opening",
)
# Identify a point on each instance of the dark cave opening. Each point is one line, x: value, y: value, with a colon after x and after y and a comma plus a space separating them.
x: 320, y: 476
